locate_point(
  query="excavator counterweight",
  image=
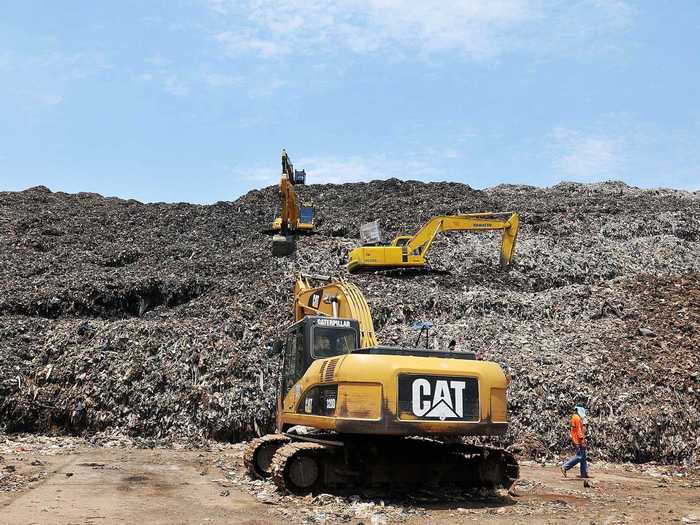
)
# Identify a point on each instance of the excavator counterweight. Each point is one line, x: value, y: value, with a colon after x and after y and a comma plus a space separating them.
x: 407, y: 251
x: 348, y: 409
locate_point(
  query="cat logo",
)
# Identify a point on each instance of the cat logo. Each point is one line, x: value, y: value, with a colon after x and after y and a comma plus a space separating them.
x: 438, y: 398
x: 333, y: 322
x: 315, y: 299
x: 444, y: 401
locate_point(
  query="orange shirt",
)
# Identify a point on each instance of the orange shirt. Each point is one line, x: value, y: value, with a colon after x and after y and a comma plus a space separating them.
x: 578, y: 432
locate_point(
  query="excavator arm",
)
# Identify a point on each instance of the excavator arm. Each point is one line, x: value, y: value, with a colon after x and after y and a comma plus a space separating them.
x: 289, y: 215
x: 420, y: 243
x: 408, y: 251
x: 334, y: 299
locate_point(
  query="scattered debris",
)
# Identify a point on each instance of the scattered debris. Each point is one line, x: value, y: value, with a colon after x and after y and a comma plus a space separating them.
x: 151, y: 320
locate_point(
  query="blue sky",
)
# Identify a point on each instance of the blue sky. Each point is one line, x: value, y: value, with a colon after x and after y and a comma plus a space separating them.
x: 192, y: 100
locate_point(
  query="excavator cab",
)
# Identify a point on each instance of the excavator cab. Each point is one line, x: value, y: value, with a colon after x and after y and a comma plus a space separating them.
x: 299, y: 177
x: 306, y: 217
x: 401, y: 240
x: 316, y: 337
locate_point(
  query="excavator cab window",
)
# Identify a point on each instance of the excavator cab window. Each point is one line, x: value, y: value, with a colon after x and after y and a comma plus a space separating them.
x: 295, y: 358
x: 306, y: 214
x: 299, y: 177
x: 404, y: 240
x: 330, y: 342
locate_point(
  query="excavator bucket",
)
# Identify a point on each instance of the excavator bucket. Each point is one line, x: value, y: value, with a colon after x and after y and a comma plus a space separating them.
x: 510, y: 235
x: 283, y: 245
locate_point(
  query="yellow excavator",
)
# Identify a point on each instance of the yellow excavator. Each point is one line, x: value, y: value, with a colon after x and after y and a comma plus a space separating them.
x: 408, y: 251
x: 293, y: 219
x: 354, y: 414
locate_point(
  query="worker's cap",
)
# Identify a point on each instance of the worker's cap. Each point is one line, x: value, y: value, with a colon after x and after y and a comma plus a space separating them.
x: 580, y: 410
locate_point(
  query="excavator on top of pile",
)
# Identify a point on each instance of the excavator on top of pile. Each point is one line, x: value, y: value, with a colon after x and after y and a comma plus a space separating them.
x: 353, y: 414
x: 294, y: 219
x: 407, y: 251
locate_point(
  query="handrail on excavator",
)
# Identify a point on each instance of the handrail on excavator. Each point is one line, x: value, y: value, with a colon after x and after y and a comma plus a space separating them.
x: 334, y: 298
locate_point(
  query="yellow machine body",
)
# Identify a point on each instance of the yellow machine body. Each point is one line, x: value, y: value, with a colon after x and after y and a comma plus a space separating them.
x: 365, y: 382
x: 367, y: 397
x: 410, y: 251
x: 348, y: 410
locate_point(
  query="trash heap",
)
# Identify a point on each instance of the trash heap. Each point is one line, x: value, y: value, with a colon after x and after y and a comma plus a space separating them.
x: 153, y: 319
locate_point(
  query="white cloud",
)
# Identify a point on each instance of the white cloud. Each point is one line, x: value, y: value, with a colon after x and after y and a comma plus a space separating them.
x: 49, y: 99
x: 334, y: 170
x: 259, y: 176
x: 175, y: 86
x: 76, y: 66
x: 239, y: 43
x: 172, y: 83
x: 331, y: 169
x: 624, y: 147
x: 222, y: 80
x: 476, y: 29
x: 586, y: 157
x: 44, y: 80
x: 158, y: 61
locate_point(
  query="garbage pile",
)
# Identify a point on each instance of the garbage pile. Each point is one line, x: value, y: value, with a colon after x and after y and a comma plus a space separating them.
x: 153, y: 319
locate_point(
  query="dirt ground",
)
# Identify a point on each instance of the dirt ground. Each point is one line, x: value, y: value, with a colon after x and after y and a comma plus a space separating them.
x: 85, y: 486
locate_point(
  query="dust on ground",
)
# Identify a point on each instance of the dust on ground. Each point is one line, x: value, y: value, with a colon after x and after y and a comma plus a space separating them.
x: 65, y: 480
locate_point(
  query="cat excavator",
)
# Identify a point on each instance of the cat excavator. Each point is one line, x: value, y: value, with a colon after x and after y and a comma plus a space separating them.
x: 407, y: 251
x: 353, y: 414
x: 294, y: 219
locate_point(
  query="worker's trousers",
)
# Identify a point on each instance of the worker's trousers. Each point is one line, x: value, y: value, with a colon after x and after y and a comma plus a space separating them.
x: 580, y: 457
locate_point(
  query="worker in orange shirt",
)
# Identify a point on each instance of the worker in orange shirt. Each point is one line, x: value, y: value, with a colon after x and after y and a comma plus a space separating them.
x: 578, y: 438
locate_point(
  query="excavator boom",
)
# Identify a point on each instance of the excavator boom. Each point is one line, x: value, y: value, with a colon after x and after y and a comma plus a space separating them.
x: 289, y: 215
x: 410, y: 251
x: 333, y: 299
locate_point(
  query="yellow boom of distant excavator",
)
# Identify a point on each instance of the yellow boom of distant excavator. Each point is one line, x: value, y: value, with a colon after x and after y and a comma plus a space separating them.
x: 407, y: 251
x: 293, y: 219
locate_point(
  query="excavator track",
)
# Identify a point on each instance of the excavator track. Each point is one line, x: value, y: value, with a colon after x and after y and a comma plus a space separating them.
x: 298, y: 467
x: 395, y: 464
x: 498, y: 468
x: 258, y: 454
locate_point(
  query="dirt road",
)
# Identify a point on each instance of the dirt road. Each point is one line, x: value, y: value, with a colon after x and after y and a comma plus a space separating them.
x: 107, y: 486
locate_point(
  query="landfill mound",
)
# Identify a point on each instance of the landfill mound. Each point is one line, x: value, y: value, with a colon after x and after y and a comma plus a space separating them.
x: 152, y: 319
